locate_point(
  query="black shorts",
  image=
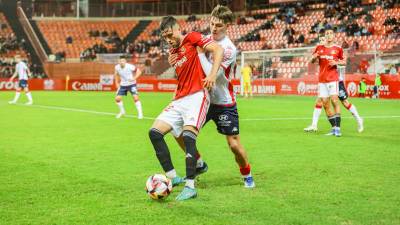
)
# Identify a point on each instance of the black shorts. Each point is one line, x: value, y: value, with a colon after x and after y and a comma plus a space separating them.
x: 226, y: 119
x: 23, y: 83
x: 343, y: 95
x: 123, y: 90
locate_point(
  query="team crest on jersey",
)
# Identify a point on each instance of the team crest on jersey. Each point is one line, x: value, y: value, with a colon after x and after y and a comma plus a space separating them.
x: 183, y: 50
x: 333, y: 52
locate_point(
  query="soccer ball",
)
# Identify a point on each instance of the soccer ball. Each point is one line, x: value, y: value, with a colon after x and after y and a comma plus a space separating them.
x: 158, y: 186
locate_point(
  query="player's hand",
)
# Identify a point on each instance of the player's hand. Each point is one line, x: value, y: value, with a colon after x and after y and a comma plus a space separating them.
x: 314, y: 57
x: 172, y: 58
x: 209, y: 82
x: 200, y: 50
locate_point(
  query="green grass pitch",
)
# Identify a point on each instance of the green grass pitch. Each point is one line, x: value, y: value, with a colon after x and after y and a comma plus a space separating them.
x: 64, y: 166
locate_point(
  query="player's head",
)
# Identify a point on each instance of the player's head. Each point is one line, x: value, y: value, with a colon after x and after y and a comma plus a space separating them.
x: 329, y: 34
x: 122, y: 61
x: 221, y: 17
x: 171, y: 31
x: 17, y: 58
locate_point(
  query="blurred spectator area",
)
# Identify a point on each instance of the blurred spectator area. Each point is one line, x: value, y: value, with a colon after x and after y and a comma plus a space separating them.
x: 84, y: 35
x: 11, y: 46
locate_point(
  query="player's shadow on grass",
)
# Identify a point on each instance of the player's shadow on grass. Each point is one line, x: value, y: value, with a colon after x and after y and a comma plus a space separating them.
x: 205, y: 183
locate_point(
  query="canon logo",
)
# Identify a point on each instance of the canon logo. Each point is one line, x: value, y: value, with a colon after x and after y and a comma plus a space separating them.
x: 6, y: 85
x: 78, y: 86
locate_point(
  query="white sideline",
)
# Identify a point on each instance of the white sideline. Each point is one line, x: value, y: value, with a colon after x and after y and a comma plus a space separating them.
x: 82, y: 110
x: 152, y: 118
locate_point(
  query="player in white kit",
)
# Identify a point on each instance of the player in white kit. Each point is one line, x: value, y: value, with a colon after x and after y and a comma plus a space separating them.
x: 223, y: 110
x: 23, y: 73
x: 126, y: 82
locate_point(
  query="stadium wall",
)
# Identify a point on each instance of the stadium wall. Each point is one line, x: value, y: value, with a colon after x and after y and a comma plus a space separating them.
x: 390, y: 87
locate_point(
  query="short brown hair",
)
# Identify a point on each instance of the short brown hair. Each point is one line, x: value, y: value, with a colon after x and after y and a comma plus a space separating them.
x: 223, y: 13
x: 167, y: 22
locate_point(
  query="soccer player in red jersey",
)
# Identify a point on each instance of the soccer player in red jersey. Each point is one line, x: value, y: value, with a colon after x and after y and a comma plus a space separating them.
x: 329, y: 57
x: 223, y: 107
x: 343, y: 97
x: 186, y: 114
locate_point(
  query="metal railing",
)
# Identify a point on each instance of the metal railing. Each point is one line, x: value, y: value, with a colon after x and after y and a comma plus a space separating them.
x: 31, y: 35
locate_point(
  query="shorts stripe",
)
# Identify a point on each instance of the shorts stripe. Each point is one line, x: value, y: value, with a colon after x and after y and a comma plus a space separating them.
x: 203, y: 111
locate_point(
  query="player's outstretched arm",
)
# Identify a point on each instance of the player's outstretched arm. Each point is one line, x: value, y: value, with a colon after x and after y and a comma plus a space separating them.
x: 218, y: 53
x: 28, y: 72
x: 116, y: 77
x: 139, y: 73
x: 206, y: 64
x: 14, y: 75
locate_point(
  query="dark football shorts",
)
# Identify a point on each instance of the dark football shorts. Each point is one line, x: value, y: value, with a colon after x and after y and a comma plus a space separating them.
x: 226, y: 119
x: 23, y: 83
x: 343, y: 95
x: 123, y: 90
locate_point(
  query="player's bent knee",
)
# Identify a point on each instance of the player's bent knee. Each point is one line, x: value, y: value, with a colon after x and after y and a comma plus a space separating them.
x: 189, y: 136
x: 155, y: 134
x: 191, y: 129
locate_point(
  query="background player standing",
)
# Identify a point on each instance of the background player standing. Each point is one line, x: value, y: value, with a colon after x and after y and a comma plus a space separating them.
x: 23, y: 73
x: 329, y: 57
x: 343, y: 97
x: 126, y: 82
x: 246, y: 79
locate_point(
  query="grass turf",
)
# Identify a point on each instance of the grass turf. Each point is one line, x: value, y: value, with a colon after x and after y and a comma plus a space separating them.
x: 68, y: 167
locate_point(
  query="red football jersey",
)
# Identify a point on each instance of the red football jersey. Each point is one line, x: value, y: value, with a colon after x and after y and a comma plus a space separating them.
x: 188, y: 67
x: 328, y: 73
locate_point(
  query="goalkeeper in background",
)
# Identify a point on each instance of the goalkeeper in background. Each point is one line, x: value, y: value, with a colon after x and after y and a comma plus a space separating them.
x: 246, y: 79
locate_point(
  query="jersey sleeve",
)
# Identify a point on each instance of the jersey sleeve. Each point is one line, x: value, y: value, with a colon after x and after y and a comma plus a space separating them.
x: 207, y: 66
x: 198, y: 39
x: 229, y: 57
x: 340, y: 54
x: 133, y: 68
x: 316, y: 49
x: 116, y: 70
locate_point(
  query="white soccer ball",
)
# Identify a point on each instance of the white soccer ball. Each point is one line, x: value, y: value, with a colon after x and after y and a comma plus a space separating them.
x: 158, y: 186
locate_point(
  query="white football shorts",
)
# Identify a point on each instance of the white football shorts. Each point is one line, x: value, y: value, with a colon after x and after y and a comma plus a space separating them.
x: 326, y: 90
x: 190, y: 110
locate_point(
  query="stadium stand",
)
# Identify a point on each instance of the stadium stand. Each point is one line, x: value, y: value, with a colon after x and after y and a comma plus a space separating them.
x: 84, y: 35
x: 369, y: 26
x: 11, y: 46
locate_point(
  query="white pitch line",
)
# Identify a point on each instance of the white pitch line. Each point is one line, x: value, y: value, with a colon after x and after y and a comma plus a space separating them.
x: 82, y: 110
x: 308, y: 118
x: 152, y: 118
